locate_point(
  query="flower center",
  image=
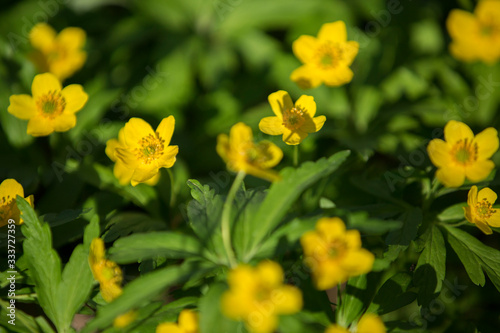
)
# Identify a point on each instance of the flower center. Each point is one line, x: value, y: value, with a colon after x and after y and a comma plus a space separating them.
x: 336, y: 248
x: 51, y: 104
x: 484, y: 210
x: 328, y: 55
x: 257, y: 154
x: 293, y: 119
x: 464, y: 152
x: 150, y: 148
x: 109, y: 272
x: 489, y: 26
x: 7, y: 208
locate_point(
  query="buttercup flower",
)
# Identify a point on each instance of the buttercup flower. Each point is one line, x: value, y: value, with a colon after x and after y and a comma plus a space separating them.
x: 258, y: 296
x: 479, y: 210
x: 61, y: 54
x: 51, y: 108
x: 326, y: 59
x: 241, y: 154
x: 140, y: 152
x: 463, y: 154
x: 106, y: 272
x: 9, y: 190
x: 476, y: 36
x: 369, y: 323
x: 334, y: 254
x: 188, y: 323
x: 294, y: 122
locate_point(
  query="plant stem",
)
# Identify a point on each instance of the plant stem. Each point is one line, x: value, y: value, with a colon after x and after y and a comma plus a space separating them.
x: 296, y: 155
x: 226, y: 216
x: 172, y: 189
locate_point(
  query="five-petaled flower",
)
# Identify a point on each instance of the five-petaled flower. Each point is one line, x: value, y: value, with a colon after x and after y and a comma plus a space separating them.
x: 51, y: 108
x: 188, y: 323
x: 463, y: 154
x: 476, y: 36
x: 241, y: 154
x: 326, y: 59
x: 140, y: 152
x: 479, y: 210
x: 61, y: 54
x: 334, y: 254
x: 258, y: 296
x: 294, y: 122
x: 369, y: 323
x: 9, y: 190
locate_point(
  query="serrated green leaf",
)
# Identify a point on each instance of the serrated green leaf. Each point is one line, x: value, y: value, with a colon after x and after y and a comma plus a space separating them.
x: 125, y: 223
x: 362, y: 222
x: 356, y: 298
x: 453, y: 213
x: 393, y: 294
x: 63, y: 217
x: 412, y: 218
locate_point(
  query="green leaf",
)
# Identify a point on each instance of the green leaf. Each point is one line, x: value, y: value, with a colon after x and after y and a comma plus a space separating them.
x: 393, y: 294
x: 412, y: 218
x: 63, y: 217
x: 355, y: 298
x: 125, y: 223
x: 453, y: 213
x: 23, y: 323
x: 362, y: 222
x: 212, y: 319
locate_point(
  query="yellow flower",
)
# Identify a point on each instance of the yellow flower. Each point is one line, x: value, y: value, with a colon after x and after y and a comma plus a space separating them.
x: 241, y: 154
x: 479, y: 210
x: 188, y: 323
x: 463, y: 154
x: 326, y: 59
x: 294, y: 122
x: 476, y: 36
x: 369, y: 323
x: 61, y: 54
x: 258, y: 296
x: 125, y: 319
x: 51, y: 108
x: 140, y: 152
x: 9, y: 190
x: 334, y: 254
x: 106, y: 272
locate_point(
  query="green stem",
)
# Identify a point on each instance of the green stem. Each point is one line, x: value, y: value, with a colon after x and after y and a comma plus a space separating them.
x: 226, y: 216
x: 172, y: 189
x: 296, y: 155
x: 458, y: 224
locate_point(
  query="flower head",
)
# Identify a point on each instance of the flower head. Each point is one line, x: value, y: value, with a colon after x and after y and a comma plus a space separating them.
x: 241, y: 154
x: 188, y: 323
x: 476, y: 36
x: 9, y: 190
x: 369, y: 323
x: 106, y: 272
x: 334, y: 254
x: 61, y: 54
x: 140, y: 152
x: 463, y: 154
x: 125, y: 319
x: 326, y: 59
x: 294, y: 122
x: 51, y: 108
x: 480, y: 209
x: 258, y: 296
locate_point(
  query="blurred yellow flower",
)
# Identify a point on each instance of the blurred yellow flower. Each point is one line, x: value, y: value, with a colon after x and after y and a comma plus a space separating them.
x: 480, y: 209
x: 463, y: 154
x: 326, y: 59
x: 334, y: 254
x: 61, y: 54
x: 188, y: 323
x: 140, y: 152
x: 476, y: 36
x: 241, y: 154
x: 294, y: 122
x: 125, y: 319
x: 51, y: 108
x: 258, y: 296
x: 369, y: 323
x: 106, y: 272
x: 9, y: 190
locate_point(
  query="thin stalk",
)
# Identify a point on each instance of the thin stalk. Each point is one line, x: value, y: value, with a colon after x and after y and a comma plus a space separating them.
x: 172, y: 188
x: 296, y: 155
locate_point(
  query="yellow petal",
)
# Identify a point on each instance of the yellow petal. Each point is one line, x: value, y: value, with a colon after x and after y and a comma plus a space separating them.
x: 166, y: 129
x: 261, y: 322
x: 456, y: 130
x: 494, y: 219
x: 313, y: 125
x: 142, y: 175
x: 451, y: 176
x: 136, y: 129
x: 43, y: 84
x: 64, y: 122
x: 328, y: 275
x: 331, y: 228
x: 306, y: 104
x: 280, y: 101
x: 488, y: 194
x: 306, y: 77
x: 466, y: 51
x: 223, y: 146
x: 484, y: 227
x: 479, y: 170
x: 269, y: 273
x: 336, y: 329
x: 439, y: 152
x: 271, y: 155
x: 487, y: 143
x: 287, y: 299
x: 111, y: 145
x: 168, y: 328
x: 337, y: 76
x: 313, y: 244
x: 370, y: 323
x: 39, y: 126
x: 486, y: 10
x: 350, y: 51
x: 353, y: 239
x: 461, y: 24
x: 168, y: 158
x: 153, y: 181
x: 125, y: 319
x: 269, y: 175
x: 305, y: 48
x: 96, y: 252
x: 110, y: 291
x: 188, y: 321
x: 335, y: 32
x: 10, y: 187
x: 72, y: 38
x: 271, y: 125
x: 293, y: 137
x: 126, y: 157
x: 472, y: 196
x: 42, y: 37
x: 357, y: 262
x: 22, y: 106
x: 240, y: 134
x: 74, y: 97
x: 468, y: 214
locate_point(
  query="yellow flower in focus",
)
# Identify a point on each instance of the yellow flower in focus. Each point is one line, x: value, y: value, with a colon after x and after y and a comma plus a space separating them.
x: 334, y: 254
x: 479, y: 210
x: 9, y: 190
x: 60, y: 54
x: 125, y: 319
x: 140, y: 152
x: 241, y: 154
x: 476, y: 36
x: 188, y: 323
x: 369, y: 323
x: 258, y: 296
x: 51, y: 108
x: 106, y: 272
x: 326, y: 59
x: 294, y: 122
x: 463, y: 154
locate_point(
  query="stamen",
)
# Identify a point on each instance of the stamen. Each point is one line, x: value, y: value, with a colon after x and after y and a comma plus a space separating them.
x: 151, y: 148
x: 51, y: 104
x: 484, y: 209
x: 464, y: 152
x: 328, y: 55
x: 293, y: 119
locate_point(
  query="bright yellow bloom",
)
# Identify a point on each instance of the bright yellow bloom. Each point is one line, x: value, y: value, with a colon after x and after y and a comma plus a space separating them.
x: 334, y: 254
x: 326, y: 59
x: 476, y: 36
x: 106, y: 272
x: 294, y: 122
x: 61, y: 54
x: 369, y: 323
x: 125, y: 319
x: 140, y: 152
x: 241, y: 154
x: 463, y: 154
x: 51, y: 108
x: 188, y: 323
x: 479, y: 210
x: 258, y: 296
x: 9, y: 190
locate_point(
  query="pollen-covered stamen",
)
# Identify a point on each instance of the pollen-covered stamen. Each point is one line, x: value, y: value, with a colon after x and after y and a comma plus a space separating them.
x: 464, y: 152
x: 51, y: 104
x: 484, y: 209
x: 150, y: 148
x: 328, y: 55
x: 293, y: 119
